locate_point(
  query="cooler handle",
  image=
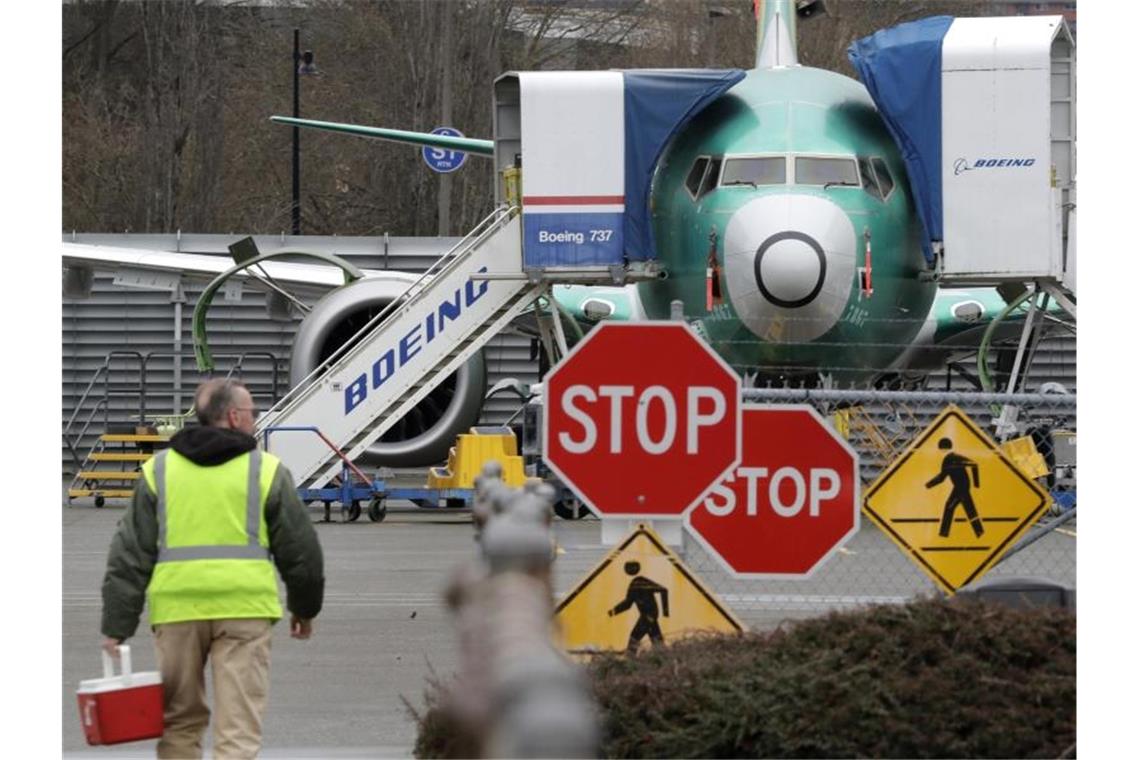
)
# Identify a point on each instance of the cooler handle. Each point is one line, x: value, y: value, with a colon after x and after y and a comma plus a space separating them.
x: 124, y: 663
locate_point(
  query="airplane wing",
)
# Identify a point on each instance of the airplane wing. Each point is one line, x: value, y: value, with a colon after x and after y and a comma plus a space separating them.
x: 466, y: 144
x: 587, y: 305
x: 136, y: 262
x: 962, y: 314
x: 956, y: 325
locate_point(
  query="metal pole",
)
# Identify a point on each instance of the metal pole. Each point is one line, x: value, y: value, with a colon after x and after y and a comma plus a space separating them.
x: 556, y: 316
x: 177, y: 298
x: 1038, y: 533
x: 1026, y: 330
x: 444, y: 198
x: 296, y: 132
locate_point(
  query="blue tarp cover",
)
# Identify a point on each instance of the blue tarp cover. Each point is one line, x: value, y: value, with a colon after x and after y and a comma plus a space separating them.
x: 902, y: 70
x: 657, y: 104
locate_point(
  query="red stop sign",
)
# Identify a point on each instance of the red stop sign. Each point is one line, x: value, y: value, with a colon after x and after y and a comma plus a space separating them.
x: 641, y: 420
x: 791, y: 502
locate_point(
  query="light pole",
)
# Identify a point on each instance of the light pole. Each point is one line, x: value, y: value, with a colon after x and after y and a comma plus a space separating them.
x: 302, y: 64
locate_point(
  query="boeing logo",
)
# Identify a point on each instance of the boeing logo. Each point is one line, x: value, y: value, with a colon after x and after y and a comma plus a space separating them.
x: 413, y: 341
x: 963, y: 165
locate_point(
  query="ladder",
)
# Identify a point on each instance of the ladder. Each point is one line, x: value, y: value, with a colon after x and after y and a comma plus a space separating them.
x: 110, y: 472
x: 878, y: 442
x: 138, y: 392
x: 402, y: 354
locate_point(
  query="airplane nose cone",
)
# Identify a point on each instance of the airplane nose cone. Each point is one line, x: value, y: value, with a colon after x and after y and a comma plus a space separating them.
x: 790, y: 266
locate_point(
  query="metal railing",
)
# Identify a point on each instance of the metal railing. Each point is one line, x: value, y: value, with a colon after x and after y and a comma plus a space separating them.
x: 100, y: 390
x: 482, y: 231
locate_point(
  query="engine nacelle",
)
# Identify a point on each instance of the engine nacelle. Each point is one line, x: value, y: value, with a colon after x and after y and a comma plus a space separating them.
x: 426, y: 433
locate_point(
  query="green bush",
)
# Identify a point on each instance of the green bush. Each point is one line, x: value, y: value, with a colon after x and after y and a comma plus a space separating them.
x: 926, y: 679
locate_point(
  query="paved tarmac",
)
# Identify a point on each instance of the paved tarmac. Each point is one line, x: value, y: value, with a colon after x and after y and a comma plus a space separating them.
x: 384, y: 628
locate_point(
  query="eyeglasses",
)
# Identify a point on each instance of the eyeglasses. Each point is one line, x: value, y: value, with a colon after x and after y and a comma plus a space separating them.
x: 253, y: 410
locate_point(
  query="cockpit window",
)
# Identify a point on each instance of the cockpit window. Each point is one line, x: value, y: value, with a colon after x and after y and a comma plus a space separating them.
x: 693, y: 181
x: 870, y: 184
x: 710, y: 176
x: 754, y: 171
x: 826, y: 171
x: 877, y: 180
x: 886, y: 181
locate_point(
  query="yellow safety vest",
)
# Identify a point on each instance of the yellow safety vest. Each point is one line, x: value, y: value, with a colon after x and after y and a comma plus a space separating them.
x: 213, y: 544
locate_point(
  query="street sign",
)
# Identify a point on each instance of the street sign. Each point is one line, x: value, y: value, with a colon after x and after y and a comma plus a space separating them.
x: 640, y: 595
x: 641, y: 419
x: 953, y: 501
x: 443, y: 160
x: 790, y: 504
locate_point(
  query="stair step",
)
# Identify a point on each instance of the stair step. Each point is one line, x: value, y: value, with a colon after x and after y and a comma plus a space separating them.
x: 107, y: 456
x: 107, y: 475
x: 114, y: 493
x: 123, y: 438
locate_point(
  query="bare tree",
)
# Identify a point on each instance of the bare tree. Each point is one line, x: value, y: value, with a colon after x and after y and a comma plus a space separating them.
x: 167, y: 104
x: 823, y: 40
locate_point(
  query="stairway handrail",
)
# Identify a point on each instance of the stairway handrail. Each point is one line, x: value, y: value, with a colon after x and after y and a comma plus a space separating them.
x: 79, y: 437
x: 311, y: 429
x: 241, y: 360
x: 469, y: 242
x: 105, y: 367
x: 103, y: 403
x: 83, y: 398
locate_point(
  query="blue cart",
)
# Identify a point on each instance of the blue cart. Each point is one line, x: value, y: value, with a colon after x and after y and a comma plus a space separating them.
x: 351, y: 494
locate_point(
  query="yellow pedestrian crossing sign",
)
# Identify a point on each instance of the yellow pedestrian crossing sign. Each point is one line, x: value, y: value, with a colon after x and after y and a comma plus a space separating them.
x: 953, y: 501
x: 641, y: 594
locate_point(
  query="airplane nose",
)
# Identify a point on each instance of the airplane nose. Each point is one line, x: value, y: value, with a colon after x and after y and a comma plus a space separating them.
x: 789, y: 266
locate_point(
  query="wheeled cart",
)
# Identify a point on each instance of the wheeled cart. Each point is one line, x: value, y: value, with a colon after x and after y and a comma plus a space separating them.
x: 376, y: 494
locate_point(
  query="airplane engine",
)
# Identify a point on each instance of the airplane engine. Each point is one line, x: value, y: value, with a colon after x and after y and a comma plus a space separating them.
x: 426, y: 433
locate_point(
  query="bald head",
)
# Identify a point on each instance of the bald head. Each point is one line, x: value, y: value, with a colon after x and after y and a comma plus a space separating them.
x: 225, y: 404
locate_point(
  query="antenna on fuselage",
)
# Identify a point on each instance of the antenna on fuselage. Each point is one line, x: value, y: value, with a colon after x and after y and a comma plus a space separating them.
x: 776, y: 30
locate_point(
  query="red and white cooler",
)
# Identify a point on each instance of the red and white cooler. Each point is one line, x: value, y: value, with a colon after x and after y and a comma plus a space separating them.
x: 121, y: 708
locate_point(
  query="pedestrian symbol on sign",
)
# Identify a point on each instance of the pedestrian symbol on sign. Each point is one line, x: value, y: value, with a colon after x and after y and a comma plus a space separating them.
x: 642, y: 593
x: 959, y: 469
x: 910, y: 504
x: 644, y: 576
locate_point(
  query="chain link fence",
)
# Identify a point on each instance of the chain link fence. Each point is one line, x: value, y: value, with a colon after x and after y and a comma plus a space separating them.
x: 1036, y: 431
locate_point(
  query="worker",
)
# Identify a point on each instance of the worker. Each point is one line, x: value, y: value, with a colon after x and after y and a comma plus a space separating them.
x: 208, y: 519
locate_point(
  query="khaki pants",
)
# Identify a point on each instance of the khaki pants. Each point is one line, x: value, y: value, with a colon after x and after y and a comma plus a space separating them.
x: 238, y: 652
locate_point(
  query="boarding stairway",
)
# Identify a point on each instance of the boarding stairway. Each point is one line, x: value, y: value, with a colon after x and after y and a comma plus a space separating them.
x: 403, y: 353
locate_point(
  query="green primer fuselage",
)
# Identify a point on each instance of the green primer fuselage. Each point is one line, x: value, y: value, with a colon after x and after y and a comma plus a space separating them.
x: 793, y: 110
